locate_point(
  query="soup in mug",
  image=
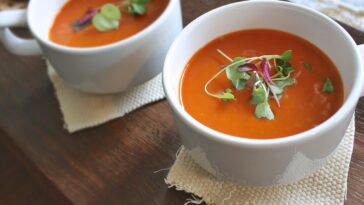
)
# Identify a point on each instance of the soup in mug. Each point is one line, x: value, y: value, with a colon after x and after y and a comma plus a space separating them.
x: 260, y: 84
x: 64, y: 32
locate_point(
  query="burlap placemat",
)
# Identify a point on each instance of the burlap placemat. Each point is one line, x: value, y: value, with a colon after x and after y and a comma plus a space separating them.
x: 327, y: 186
x: 349, y: 11
x: 83, y: 110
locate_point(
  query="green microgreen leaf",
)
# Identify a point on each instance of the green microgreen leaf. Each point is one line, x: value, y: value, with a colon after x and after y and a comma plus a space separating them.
x: 328, y: 87
x: 259, y: 95
x: 137, y: 7
x: 140, y: 1
x: 239, y: 84
x: 276, y: 89
x: 284, y: 83
x: 108, y: 18
x: 287, y: 70
x: 307, y: 66
x: 263, y: 110
x: 284, y: 67
x: 111, y: 12
x: 227, y: 95
x: 238, y: 79
x: 232, y: 72
x: 287, y: 55
x: 244, y: 76
x: 102, y: 23
x: 283, y: 63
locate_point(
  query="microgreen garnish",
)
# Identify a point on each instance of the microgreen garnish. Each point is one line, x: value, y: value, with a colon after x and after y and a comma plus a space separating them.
x: 136, y: 7
x: 244, y: 72
x: 328, y: 87
x: 307, y: 66
x: 85, y: 20
x: 286, y: 56
x: 227, y: 95
x: 237, y: 76
x: 259, y: 94
x: 108, y: 17
x: 284, y: 83
x: 263, y: 111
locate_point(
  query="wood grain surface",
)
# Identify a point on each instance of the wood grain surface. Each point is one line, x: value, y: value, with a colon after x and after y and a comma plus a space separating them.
x: 113, y: 163
x: 12, y: 4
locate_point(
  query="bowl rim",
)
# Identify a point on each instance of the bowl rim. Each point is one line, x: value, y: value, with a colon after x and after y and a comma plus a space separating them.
x: 168, y: 11
x: 295, y: 139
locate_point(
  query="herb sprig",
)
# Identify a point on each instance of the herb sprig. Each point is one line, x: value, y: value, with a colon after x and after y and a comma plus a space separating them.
x: 328, y: 87
x: 266, y: 75
x: 108, y: 17
x: 137, y: 7
x: 243, y: 72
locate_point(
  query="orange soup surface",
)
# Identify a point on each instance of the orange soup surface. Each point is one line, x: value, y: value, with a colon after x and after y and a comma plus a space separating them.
x: 62, y: 31
x: 303, y: 105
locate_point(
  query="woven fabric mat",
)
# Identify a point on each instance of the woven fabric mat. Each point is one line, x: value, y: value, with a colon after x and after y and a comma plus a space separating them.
x: 348, y: 11
x: 83, y: 110
x: 327, y: 186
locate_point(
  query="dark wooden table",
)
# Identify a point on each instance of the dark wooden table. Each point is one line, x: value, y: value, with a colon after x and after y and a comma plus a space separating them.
x: 113, y: 163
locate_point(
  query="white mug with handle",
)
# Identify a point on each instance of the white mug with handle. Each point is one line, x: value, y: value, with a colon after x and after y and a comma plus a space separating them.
x: 106, y: 69
x: 16, y: 45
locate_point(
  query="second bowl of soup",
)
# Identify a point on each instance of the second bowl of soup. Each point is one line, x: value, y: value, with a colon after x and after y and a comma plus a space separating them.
x: 262, y: 99
x: 99, y: 46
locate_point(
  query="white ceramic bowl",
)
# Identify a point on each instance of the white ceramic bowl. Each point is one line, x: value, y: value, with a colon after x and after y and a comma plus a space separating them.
x: 105, y: 69
x: 273, y: 161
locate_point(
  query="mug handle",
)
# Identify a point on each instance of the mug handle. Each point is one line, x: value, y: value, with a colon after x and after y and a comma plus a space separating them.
x: 14, y: 44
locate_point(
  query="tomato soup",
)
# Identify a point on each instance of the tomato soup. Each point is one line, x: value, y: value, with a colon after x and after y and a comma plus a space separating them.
x: 63, y: 33
x: 303, y: 105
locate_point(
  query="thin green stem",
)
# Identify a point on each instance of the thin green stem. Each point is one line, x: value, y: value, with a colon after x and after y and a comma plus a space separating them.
x: 226, y: 56
x: 275, y: 75
x: 283, y: 78
x: 275, y: 63
x: 212, y: 79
